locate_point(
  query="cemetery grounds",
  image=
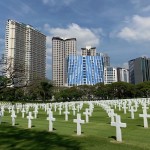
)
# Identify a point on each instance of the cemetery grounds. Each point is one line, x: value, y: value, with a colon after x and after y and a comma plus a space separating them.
x: 98, y: 134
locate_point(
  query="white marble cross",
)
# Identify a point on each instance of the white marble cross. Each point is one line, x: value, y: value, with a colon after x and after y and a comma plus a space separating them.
x: 35, y: 111
x: 23, y: 111
x: 45, y: 107
x: 1, y: 116
x: 78, y: 108
x: 112, y: 115
x: 13, y: 116
x: 145, y: 116
x: 18, y: 110
x: 9, y: 109
x: 87, y: 114
x: 29, y: 117
x: 119, y: 106
x: 2, y: 110
x: 118, y: 126
x: 124, y: 108
x: 51, y: 119
x: 27, y: 109
x: 132, y: 110
x: 66, y: 112
x: 136, y: 105
x: 74, y: 110
x: 55, y: 107
x: 60, y: 109
x: 145, y: 106
x: 79, y: 122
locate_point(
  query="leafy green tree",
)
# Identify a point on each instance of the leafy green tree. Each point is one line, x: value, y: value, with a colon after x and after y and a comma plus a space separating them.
x: 69, y: 94
x: 143, y: 89
x: 45, y: 89
x: 101, y: 91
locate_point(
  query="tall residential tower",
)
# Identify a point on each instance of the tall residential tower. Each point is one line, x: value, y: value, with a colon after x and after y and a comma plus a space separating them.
x: 61, y: 49
x: 26, y: 47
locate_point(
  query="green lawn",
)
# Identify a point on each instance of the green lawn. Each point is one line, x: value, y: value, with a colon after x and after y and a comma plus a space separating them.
x: 97, y: 134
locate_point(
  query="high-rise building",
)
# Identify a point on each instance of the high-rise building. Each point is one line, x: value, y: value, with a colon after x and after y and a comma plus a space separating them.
x: 122, y: 74
x: 88, y: 51
x: 139, y: 70
x: 61, y: 49
x: 106, y: 60
x: 85, y: 70
x: 110, y: 75
x: 26, y: 47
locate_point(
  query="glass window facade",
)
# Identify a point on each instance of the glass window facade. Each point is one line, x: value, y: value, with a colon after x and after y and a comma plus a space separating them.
x: 85, y: 70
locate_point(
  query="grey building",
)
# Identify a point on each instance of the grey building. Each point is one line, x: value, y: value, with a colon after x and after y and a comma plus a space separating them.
x: 122, y: 75
x: 106, y: 60
x: 139, y: 70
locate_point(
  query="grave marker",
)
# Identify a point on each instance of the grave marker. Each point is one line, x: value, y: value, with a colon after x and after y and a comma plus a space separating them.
x: 51, y: 119
x: 13, y: 116
x: 29, y: 117
x: 118, y: 126
x: 145, y: 116
x: 79, y: 122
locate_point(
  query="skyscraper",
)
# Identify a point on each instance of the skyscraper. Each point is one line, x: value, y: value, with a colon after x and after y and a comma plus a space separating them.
x: 85, y: 69
x: 88, y: 51
x: 26, y: 47
x: 139, y: 70
x: 106, y: 60
x: 61, y: 49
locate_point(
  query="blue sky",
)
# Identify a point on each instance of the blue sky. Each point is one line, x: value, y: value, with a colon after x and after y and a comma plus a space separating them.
x: 120, y: 28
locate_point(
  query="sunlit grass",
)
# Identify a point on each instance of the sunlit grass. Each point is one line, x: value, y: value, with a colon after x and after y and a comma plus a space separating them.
x: 96, y: 135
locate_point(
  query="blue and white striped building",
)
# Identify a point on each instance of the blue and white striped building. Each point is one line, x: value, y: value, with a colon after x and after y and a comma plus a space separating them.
x: 85, y: 70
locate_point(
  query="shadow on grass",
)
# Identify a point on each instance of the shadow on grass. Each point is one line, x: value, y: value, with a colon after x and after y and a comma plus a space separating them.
x: 140, y: 125
x: 112, y: 137
x: 13, y: 138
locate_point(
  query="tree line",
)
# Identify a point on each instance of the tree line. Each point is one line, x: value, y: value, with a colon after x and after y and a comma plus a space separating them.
x: 44, y: 90
x: 101, y: 91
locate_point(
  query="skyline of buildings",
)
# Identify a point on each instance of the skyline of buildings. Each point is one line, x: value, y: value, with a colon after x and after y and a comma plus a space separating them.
x: 26, y: 49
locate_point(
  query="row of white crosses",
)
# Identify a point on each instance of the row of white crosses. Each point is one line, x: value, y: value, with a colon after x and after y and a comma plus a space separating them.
x: 132, y: 110
x: 115, y: 120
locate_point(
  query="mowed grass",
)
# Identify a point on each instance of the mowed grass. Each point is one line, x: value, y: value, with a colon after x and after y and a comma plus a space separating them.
x: 98, y: 134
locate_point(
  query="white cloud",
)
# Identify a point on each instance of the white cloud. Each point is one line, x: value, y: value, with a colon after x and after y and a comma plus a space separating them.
x: 137, y: 30
x: 84, y: 36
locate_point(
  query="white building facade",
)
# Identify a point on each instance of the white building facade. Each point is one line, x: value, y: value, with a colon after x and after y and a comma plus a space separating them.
x: 110, y: 75
x: 26, y: 47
